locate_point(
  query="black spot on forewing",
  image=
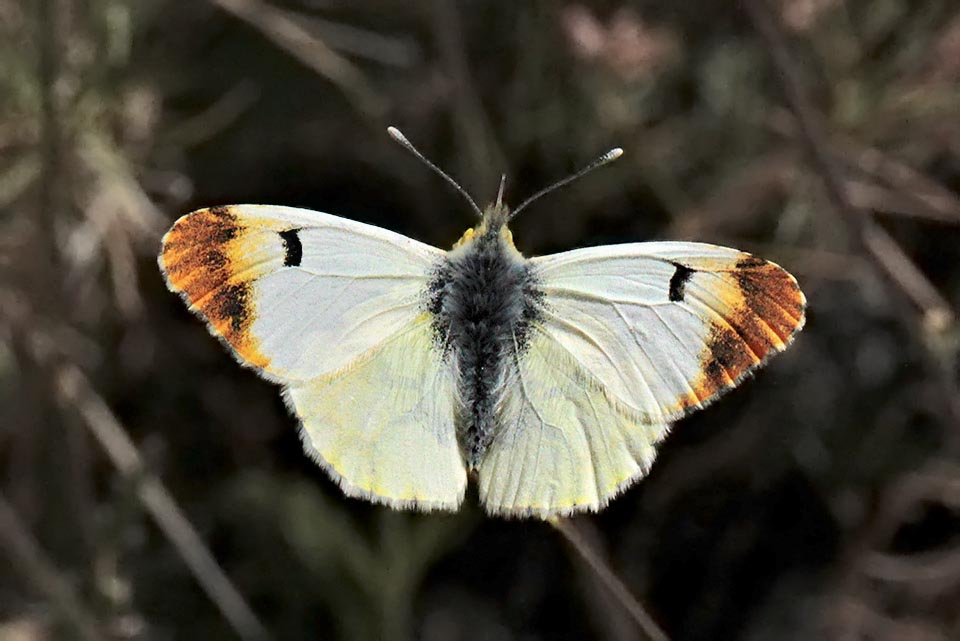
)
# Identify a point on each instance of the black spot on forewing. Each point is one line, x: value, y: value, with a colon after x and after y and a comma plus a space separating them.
x: 215, y: 259
x: 678, y: 282
x: 230, y: 304
x: 292, y: 247
x: 221, y: 225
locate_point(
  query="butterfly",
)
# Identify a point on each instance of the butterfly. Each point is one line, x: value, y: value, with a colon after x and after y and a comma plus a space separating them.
x: 549, y: 380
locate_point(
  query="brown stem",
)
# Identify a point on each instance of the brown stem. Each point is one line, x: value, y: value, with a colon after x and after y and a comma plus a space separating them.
x: 76, y: 391
x: 869, y: 237
x: 609, y: 579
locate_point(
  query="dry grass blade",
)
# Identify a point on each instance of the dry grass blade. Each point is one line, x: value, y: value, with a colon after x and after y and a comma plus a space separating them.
x: 486, y: 159
x: 905, y: 273
x: 75, y: 389
x: 890, y: 186
x: 26, y: 554
x: 364, y: 43
x: 870, y: 238
x: 610, y: 580
x: 217, y: 117
x: 930, y: 198
x: 289, y: 35
x: 868, y: 195
x: 887, y: 256
x: 939, y: 570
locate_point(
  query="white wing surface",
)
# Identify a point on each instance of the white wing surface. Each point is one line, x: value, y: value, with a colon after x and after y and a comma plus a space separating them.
x: 331, y: 308
x: 664, y: 327
x: 383, y: 428
x: 564, y: 444
x: 631, y: 338
x: 295, y: 293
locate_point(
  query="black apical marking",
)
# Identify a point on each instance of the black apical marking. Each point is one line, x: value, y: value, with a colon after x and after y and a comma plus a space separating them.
x: 230, y: 302
x: 483, y: 300
x: 751, y: 262
x: 221, y: 225
x: 678, y: 282
x: 293, y: 249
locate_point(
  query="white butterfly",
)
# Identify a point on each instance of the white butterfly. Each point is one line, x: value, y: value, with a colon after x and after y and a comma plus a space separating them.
x: 550, y: 378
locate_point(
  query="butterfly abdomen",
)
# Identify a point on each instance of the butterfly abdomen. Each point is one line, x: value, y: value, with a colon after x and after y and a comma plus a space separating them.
x: 483, y: 300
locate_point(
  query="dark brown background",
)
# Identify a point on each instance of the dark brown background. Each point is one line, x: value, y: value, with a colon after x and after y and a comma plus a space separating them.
x: 819, y: 501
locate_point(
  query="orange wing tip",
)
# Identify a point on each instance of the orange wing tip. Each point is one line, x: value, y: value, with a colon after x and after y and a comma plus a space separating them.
x: 200, y: 260
x: 197, y: 246
x: 764, y: 316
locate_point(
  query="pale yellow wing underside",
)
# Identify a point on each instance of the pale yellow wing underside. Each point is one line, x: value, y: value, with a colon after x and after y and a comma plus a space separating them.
x: 564, y: 446
x: 383, y: 427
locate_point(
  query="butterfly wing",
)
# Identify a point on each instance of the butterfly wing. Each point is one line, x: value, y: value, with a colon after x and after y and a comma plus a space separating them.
x: 292, y: 292
x: 665, y: 327
x: 631, y: 338
x: 564, y: 445
x: 383, y: 428
x: 332, y: 309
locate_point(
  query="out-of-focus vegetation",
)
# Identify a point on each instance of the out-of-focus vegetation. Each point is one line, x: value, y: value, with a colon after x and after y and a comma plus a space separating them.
x: 152, y: 489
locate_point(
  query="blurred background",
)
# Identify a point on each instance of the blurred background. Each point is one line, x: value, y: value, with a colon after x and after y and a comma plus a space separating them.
x: 152, y: 489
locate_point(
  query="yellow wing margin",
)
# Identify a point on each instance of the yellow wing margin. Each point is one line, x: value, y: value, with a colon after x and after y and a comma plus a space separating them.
x: 383, y: 427
x: 566, y: 445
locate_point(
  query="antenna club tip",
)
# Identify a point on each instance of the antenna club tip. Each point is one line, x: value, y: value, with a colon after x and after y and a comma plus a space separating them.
x: 395, y: 134
x: 614, y: 153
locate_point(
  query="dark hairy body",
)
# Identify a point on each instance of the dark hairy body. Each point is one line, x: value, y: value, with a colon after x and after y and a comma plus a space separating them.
x: 483, y: 299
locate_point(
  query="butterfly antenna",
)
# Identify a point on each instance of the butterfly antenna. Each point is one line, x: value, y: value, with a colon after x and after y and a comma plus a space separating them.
x: 503, y: 183
x: 608, y: 157
x: 400, y: 138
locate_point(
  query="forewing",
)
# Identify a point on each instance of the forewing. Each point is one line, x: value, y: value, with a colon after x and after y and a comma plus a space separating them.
x: 383, y: 428
x: 663, y: 328
x: 564, y: 445
x: 295, y: 293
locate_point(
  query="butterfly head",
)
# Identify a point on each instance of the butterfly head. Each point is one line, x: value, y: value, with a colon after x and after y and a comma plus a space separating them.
x: 493, y: 224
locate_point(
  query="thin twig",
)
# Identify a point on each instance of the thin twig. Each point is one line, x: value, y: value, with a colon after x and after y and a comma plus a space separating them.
x: 811, y: 130
x: 939, y: 568
x: 870, y: 195
x: 939, y: 202
x: 865, y: 569
x: 51, y: 132
x: 27, y: 555
x: 869, y: 237
x: 609, y: 579
x: 901, y: 188
x: 938, y: 484
x: 402, y: 52
x: 876, y: 244
x: 216, y: 117
x: 872, y: 239
x: 487, y: 161
x: 75, y: 389
x: 290, y: 36
x: 901, y: 270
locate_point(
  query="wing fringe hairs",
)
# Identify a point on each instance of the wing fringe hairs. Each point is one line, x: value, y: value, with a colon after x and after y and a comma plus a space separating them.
x: 345, y: 485
x: 354, y: 491
x: 382, y: 428
x: 618, y: 342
